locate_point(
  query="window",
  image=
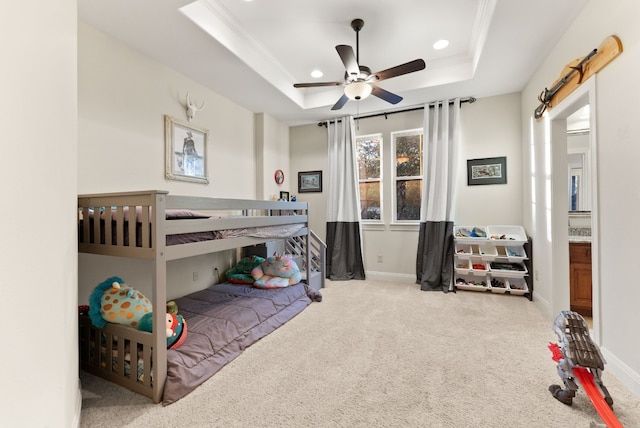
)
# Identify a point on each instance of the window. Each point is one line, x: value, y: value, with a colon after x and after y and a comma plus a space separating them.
x: 407, y: 189
x: 369, y: 152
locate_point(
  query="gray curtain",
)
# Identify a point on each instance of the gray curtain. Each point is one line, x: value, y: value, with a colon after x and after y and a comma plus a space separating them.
x: 344, y: 237
x: 434, y: 259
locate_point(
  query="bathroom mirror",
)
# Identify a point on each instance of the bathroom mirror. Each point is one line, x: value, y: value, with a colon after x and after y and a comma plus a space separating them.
x: 578, y: 160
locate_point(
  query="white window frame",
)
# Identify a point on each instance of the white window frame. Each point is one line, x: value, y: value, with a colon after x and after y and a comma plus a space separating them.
x: 394, y: 179
x: 380, y: 180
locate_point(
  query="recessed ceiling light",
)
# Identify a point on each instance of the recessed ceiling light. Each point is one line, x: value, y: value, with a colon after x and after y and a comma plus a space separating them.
x: 317, y: 74
x: 441, y: 44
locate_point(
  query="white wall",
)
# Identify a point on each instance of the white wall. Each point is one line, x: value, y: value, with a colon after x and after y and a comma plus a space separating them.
x: 617, y: 92
x: 272, y: 153
x: 490, y: 127
x: 308, y: 152
x: 123, y: 97
x: 578, y: 143
x: 38, y: 256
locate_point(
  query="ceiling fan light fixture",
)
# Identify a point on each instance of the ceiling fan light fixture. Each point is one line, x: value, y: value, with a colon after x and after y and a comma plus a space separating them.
x: 359, y: 82
x: 357, y: 90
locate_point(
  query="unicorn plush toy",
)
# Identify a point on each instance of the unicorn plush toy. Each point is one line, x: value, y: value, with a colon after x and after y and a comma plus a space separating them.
x: 276, y: 272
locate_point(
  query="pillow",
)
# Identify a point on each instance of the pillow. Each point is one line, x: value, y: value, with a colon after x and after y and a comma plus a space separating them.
x: 241, y: 279
x: 183, y: 214
x: 170, y: 214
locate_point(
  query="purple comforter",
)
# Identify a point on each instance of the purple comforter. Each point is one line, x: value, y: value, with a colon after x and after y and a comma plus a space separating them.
x: 222, y: 321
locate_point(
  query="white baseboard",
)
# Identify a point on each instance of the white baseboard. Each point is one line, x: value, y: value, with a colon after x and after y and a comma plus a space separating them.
x: 390, y: 276
x: 542, y: 304
x: 622, y: 372
x: 78, y: 409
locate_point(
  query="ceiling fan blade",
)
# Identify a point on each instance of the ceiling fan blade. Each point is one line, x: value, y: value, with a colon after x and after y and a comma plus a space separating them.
x: 389, y: 97
x: 399, y: 70
x: 348, y: 59
x: 316, y: 84
x: 341, y: 102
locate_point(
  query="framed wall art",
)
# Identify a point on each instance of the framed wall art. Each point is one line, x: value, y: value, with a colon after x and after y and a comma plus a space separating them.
x: 487, y: 171
x: 186, y: 151
x: 309, y: 181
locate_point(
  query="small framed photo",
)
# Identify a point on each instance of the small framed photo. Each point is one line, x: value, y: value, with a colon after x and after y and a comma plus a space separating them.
x: 279, y: 176
x: 284, y: 196
x: 186, y: 151
x: 487, y: 171
x: 309, y: 181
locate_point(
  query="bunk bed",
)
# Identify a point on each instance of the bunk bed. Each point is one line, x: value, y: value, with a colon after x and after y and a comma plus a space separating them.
x: 170, y: 227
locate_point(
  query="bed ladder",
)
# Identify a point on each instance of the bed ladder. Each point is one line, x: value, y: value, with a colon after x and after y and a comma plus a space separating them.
x: 316, y: 260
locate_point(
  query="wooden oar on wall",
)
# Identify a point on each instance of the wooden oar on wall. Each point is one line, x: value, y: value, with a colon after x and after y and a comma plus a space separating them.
x: 578, y: 71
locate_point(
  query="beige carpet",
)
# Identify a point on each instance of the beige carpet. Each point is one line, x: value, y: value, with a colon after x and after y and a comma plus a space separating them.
x: 380, y: 354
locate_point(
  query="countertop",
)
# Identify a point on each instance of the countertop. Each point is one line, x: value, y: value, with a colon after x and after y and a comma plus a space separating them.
x: 579, y: 239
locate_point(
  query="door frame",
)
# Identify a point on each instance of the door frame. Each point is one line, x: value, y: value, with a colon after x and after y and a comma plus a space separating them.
x: 557, y: 125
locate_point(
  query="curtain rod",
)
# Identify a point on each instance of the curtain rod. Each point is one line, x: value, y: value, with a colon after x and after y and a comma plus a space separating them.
x: 385, y: 114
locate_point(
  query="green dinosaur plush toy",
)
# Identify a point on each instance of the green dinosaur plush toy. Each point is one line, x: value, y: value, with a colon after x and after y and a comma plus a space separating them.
x: 241, y: 272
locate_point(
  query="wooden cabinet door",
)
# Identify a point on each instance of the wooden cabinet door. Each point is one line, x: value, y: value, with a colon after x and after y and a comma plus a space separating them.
x: 580, y: 278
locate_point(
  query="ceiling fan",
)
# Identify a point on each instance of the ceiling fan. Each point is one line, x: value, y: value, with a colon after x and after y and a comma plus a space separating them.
x: 359, y: 81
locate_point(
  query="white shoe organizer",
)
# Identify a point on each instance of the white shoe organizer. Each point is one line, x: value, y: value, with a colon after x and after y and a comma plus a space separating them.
x: 491, y: 258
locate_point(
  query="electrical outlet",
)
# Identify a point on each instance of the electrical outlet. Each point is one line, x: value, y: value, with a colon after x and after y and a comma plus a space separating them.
x: 195, y: 276
x: 379, y: 258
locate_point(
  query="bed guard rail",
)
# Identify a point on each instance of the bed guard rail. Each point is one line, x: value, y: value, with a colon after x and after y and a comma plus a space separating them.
x: 315, y: 254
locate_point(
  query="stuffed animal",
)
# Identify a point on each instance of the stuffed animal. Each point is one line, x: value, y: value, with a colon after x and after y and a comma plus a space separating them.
x: 115, y: 302
x: 276, y: 272
x: 241, y: 272
x: 176, y: 326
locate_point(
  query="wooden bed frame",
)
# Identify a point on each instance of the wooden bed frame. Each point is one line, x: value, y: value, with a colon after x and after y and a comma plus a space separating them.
x: 102, y: 351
